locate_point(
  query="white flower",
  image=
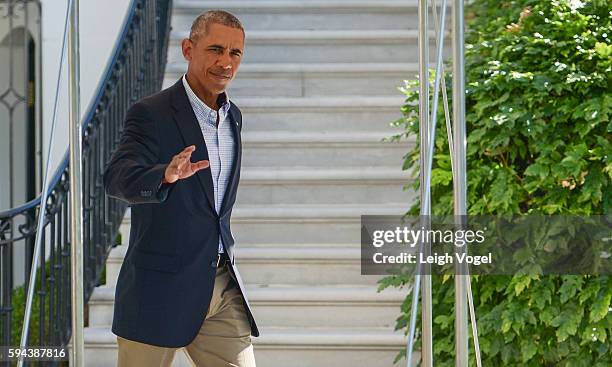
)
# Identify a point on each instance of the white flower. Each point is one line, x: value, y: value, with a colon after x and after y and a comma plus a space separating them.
x: 575, y: 4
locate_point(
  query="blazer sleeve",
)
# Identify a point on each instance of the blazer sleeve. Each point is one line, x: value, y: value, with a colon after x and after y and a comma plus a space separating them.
x: 134, y: 173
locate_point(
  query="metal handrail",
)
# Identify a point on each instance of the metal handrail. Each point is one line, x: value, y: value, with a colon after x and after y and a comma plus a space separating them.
x: 90, y: 110
x: 134, y: 70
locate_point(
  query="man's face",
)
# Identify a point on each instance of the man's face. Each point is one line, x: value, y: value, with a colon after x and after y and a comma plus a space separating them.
x: 214, y: 57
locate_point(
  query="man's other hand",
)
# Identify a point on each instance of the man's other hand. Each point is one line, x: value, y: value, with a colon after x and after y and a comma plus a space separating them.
x: 181, y: 166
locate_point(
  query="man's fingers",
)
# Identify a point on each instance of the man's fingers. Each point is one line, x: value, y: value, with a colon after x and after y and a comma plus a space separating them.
x: 196, y: 166
x: 187, y: 151
x: 183, y: 160
x: 184, y: 155
x: 180, y: 163
x: 192, y: 168
x: 182, y: 166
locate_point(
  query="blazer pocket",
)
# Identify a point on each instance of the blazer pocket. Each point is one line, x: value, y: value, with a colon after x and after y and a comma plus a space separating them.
x: 159, y: 262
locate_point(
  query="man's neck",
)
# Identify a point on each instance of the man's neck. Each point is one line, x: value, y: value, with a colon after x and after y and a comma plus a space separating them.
x: 209, y: 98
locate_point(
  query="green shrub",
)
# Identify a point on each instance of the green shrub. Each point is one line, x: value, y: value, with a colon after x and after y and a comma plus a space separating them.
x: 539, y: 108
x: 19, y: 296
x: 18, y: 301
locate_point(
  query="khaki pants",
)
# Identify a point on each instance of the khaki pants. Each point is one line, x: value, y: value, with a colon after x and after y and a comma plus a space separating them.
x: 224, y: 340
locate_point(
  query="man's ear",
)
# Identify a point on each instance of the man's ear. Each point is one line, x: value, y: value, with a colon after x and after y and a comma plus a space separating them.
x: 187, y: 48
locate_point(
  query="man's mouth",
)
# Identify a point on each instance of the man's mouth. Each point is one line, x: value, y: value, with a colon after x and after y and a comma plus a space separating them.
x: 222, y: 76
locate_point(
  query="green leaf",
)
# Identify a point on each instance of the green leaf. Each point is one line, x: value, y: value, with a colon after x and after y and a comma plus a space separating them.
x: 570, y: 287
x: 537, y: 170
x: 529, y: 348
x: 567, y: 323
x: 521, y: 285
x: 603, y: 50
x: 601, y: 308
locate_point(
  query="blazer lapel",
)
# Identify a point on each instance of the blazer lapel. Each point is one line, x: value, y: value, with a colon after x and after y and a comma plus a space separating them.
x: 192, y: 135
x: 230, y: 192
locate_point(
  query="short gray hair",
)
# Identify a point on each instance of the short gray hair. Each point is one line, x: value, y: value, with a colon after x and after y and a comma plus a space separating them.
x: 200, y: 25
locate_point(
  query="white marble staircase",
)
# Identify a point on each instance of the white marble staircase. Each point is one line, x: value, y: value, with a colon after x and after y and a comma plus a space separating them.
x: 317, y: 89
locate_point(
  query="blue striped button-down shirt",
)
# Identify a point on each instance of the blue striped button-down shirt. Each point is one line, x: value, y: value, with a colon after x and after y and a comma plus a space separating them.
x: 219, y: 142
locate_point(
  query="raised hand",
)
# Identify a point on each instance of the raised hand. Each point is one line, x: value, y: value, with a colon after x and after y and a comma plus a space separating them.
x: 181, y: 166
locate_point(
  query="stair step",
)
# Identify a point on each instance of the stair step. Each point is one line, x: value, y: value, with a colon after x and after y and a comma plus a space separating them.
x: 290, y: 225
x: 266, y: 69
x: 312, y: 213
x: 329, y: 306
x: 113, y: 263
x: 307, y: 36
x: 327, y: 104
x: 320, y: 114
x: 314, y: 137
x: 313, y: 14
x: 295, y: 306
x: 309, y: 347
x: 311, y: 80
x: 297, y: 224
x: 276, y: 347
x: 101, y: 349
x: 323, y: 46
x: 302, y: 266
x: 101, y: 305
x: 323, y: 186
x: 366, y: 174
x: 322, y: 150
x: 294, y: 265
x: 319, y: 156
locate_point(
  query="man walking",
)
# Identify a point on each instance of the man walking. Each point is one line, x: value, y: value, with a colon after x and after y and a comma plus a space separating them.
x: 178, y: 165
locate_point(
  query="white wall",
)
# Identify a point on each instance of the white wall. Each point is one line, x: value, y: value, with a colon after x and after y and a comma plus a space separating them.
x: 100, y: 23
x: 14, y: 145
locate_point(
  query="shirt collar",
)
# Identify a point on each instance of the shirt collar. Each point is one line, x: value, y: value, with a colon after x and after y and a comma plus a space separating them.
x: 199, y: 106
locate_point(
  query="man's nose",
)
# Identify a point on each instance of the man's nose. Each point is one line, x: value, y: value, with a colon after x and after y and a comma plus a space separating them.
x: 225, y: 60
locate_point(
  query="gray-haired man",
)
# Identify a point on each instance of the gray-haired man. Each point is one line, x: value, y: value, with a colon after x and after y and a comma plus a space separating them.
x: 178, y: 165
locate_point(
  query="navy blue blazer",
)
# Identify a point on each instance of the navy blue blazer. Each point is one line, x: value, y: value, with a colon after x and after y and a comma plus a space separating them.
x: 166, y: 281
